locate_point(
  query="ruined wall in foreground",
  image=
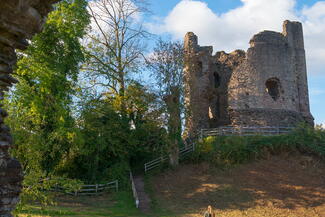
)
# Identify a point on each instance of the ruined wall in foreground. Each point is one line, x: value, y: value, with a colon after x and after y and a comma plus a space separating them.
x: 265, y: 86
x: 19, y: 20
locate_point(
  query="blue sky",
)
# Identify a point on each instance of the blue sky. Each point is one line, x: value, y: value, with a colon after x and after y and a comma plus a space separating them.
x: 229, y: 24
x: 163, y: 7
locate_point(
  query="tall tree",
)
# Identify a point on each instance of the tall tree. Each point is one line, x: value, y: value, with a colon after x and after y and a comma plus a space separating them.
x: 166, y: 64
x: 40, y: 104
x: 115, y: 45
x: 110, y: 141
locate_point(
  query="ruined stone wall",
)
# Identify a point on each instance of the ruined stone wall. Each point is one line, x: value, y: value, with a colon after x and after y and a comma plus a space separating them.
x: 19, y: 21
x: 197, y: 83
x: 223, y: 67
x: 206, y: 78
x: 265, y: 117
x: 278, y: 60
x: 293, y: 32
x: 266, y: 86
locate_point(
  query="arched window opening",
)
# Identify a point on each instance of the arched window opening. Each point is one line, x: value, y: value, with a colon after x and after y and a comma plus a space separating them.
x: 273, y: 88
x: 216, y: 80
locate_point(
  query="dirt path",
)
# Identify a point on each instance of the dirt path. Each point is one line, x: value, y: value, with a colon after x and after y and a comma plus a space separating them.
x: 144, y: 200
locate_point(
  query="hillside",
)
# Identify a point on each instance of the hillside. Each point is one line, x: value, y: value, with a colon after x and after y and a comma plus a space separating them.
x: 281, y: 186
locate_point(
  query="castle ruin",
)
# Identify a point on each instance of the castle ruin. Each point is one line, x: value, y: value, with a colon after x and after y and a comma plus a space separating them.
x: 265, y: 86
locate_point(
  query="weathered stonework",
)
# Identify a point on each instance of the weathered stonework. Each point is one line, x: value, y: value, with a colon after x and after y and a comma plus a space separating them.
x: 19, y: 21
x: 265, y: 86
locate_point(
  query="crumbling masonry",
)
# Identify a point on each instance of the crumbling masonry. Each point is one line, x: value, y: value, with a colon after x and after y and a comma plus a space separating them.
x: 19, y: 20
x: 265, y: 86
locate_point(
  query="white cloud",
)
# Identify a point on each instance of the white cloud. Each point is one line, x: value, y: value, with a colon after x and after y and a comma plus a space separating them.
x: 316, y: 92
x: 314, y: 26
x: 233, y: 29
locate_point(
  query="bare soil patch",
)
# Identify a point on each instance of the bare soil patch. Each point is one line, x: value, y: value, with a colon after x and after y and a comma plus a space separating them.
x: 281, y: 186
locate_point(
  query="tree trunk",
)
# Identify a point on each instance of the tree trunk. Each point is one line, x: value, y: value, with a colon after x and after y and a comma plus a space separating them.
x: 174, y: 124
x: 174, y: 155
x: 122, y: 94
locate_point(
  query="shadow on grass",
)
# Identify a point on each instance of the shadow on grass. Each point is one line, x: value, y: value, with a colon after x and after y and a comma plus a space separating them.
x: 285, y: 183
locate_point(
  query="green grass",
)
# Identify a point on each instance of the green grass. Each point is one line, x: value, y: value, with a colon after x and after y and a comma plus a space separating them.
x: 119, y: 204
x: 115, y: 205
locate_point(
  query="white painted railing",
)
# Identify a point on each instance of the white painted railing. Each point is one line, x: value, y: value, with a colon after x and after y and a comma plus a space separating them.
x: 185, y: 150
x: 134, y: 190
x: 156, y: 162
x: 222, y: 131
x: 245, y: 131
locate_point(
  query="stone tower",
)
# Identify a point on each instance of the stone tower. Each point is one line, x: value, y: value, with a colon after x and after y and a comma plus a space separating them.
x: 265, y: 86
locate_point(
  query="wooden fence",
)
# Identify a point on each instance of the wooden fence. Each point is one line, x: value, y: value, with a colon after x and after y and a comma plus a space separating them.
x: 185, y: 150
x: 156, y: 162
x: 244, y: 131
x: 93, y: 189
x: 222, y: 131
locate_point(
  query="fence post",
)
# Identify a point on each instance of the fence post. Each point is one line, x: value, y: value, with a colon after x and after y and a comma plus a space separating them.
x: 116, y: 185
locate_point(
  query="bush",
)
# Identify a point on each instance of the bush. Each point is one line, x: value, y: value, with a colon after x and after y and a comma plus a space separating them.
x: 37, y: 187
x: 119, y: 171
x: 232, y: 150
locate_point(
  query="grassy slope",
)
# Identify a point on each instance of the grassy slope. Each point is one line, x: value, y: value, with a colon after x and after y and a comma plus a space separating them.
x: 281, y: 186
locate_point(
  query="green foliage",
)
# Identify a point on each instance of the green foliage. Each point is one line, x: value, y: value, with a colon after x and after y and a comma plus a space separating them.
x: 232, y: 150
x: 40, y: 105
x: 166, y: 64
x: 112, y: 141
x: 105, y: 142
x: 309, y: 140
x: 149, y: 138
x: 120, y: 171
x: 37, y: 187
x: 47, y: 71
x: 34, y: 186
